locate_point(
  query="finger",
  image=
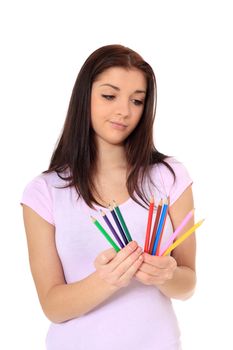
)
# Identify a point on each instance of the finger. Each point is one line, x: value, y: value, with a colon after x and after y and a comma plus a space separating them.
x: 147, y: 279
x: 126, y: 264
x: 162, y: 262
x: 143, y: 277
x: 150, y: 269
x: 158, y: 271
x: 105, y: 257
x: 123, y: 254
x: 131, y: 271
x: 158, y: 279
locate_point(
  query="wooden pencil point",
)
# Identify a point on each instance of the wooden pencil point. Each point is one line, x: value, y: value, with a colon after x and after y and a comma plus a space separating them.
x: 102, y: 212
x: 160, y: 202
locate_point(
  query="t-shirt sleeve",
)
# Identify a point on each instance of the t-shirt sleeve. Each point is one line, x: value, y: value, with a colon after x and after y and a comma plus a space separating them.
x: 175, y: 188
x: 37, y: 196
x: 182, y: 181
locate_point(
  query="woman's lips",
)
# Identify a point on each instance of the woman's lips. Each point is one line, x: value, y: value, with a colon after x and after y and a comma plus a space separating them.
x: 119, y: 126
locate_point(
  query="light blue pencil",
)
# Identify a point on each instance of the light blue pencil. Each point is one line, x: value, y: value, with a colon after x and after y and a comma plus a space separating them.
x: 160, y: 227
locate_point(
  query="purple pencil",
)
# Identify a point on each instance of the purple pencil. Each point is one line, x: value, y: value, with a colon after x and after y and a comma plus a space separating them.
x: 118, y: 225
x: 112, y: 228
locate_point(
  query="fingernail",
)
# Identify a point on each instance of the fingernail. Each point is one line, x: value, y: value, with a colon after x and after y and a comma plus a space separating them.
x: 132, y: 245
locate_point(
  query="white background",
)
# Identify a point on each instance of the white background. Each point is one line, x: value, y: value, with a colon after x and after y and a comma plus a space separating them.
x: 189, y: 45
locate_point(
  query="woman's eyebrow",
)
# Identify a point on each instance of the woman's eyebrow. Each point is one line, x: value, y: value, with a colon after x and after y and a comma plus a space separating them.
x: 112, y: 86
x: 118, y: 89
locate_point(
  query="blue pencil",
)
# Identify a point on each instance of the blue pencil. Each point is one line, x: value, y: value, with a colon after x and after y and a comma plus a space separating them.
x: 118, y: 225
x: 160, y: 227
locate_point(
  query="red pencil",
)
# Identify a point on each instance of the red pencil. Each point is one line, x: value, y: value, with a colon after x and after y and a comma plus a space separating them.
x: 155, y: 226
x: 148, y: 229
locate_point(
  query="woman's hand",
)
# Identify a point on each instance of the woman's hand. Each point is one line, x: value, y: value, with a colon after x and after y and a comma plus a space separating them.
x: 156, y: 270
x: 117, y: 269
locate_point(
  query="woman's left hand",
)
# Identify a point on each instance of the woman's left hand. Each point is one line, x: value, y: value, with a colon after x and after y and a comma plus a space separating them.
x: 156, y: 270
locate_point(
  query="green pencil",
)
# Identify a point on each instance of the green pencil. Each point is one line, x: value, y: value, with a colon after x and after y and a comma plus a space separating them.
x: 122, y: 221
x: 106, y: 235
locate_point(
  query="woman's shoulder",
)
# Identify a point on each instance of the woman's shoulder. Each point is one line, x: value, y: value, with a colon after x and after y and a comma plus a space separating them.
x: 169, y: 167
x: 48, y: 179
x: 38, y: 194
x: 44, y: 184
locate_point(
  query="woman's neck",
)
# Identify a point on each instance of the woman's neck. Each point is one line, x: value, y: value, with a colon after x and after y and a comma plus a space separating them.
x: 111, y: 157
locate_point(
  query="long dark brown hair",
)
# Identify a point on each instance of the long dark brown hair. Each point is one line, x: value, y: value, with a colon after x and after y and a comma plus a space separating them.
x: 76, y: 150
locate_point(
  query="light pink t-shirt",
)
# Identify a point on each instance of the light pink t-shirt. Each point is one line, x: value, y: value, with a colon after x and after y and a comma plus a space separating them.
x: 137, y: 317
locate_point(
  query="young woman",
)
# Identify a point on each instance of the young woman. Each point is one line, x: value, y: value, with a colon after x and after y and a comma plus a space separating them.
x: 95, y: 297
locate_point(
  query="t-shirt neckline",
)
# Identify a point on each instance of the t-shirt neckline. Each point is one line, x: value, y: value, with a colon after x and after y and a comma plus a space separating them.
x: 120, y: 205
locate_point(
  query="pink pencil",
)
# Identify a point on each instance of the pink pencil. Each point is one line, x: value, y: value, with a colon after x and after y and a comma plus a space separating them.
x: 177, y: 231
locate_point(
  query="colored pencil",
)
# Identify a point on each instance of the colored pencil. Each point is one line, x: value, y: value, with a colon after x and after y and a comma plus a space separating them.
x: 160, y: 226
x: 148, y: 229
x: 122, y: 221
x: 118, y: 225
x: 112, y: 228
x: 162, y: 230
x: 177, y: 231
x: 183, y: 237
x: 155, y: 226
x: 106, y: 235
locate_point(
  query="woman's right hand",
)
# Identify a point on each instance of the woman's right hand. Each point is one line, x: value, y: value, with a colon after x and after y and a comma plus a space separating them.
x: 117, y: 269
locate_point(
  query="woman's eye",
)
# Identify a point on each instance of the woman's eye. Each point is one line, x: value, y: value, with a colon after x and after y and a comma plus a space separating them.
x: 138, y: 102
x: 108, y: 97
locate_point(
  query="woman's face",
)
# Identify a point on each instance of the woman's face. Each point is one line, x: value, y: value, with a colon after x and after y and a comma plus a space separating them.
x: 117, y: 103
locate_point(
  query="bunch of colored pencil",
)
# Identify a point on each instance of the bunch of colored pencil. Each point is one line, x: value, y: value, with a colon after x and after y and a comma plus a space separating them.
x: 153, y: 241
x: 124, y: 237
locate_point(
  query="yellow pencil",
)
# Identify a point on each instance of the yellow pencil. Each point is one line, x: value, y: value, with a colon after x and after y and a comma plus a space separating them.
x: 183, y: 237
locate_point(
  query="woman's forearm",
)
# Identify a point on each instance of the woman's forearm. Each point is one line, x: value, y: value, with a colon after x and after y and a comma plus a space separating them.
x: 113, y: 271
x: 67, y: 301
x: 182, y: 285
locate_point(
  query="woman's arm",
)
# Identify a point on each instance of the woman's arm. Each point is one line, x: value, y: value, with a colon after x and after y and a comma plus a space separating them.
x: 60, y: 301
x: 183, y: 282
x: 174, y: 275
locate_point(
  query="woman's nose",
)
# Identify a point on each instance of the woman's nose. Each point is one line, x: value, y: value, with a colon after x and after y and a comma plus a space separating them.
x: 123, y: 108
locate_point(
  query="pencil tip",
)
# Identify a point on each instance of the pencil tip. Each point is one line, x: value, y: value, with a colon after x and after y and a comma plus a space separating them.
x: 93, y: 219
x: 102, y: 212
